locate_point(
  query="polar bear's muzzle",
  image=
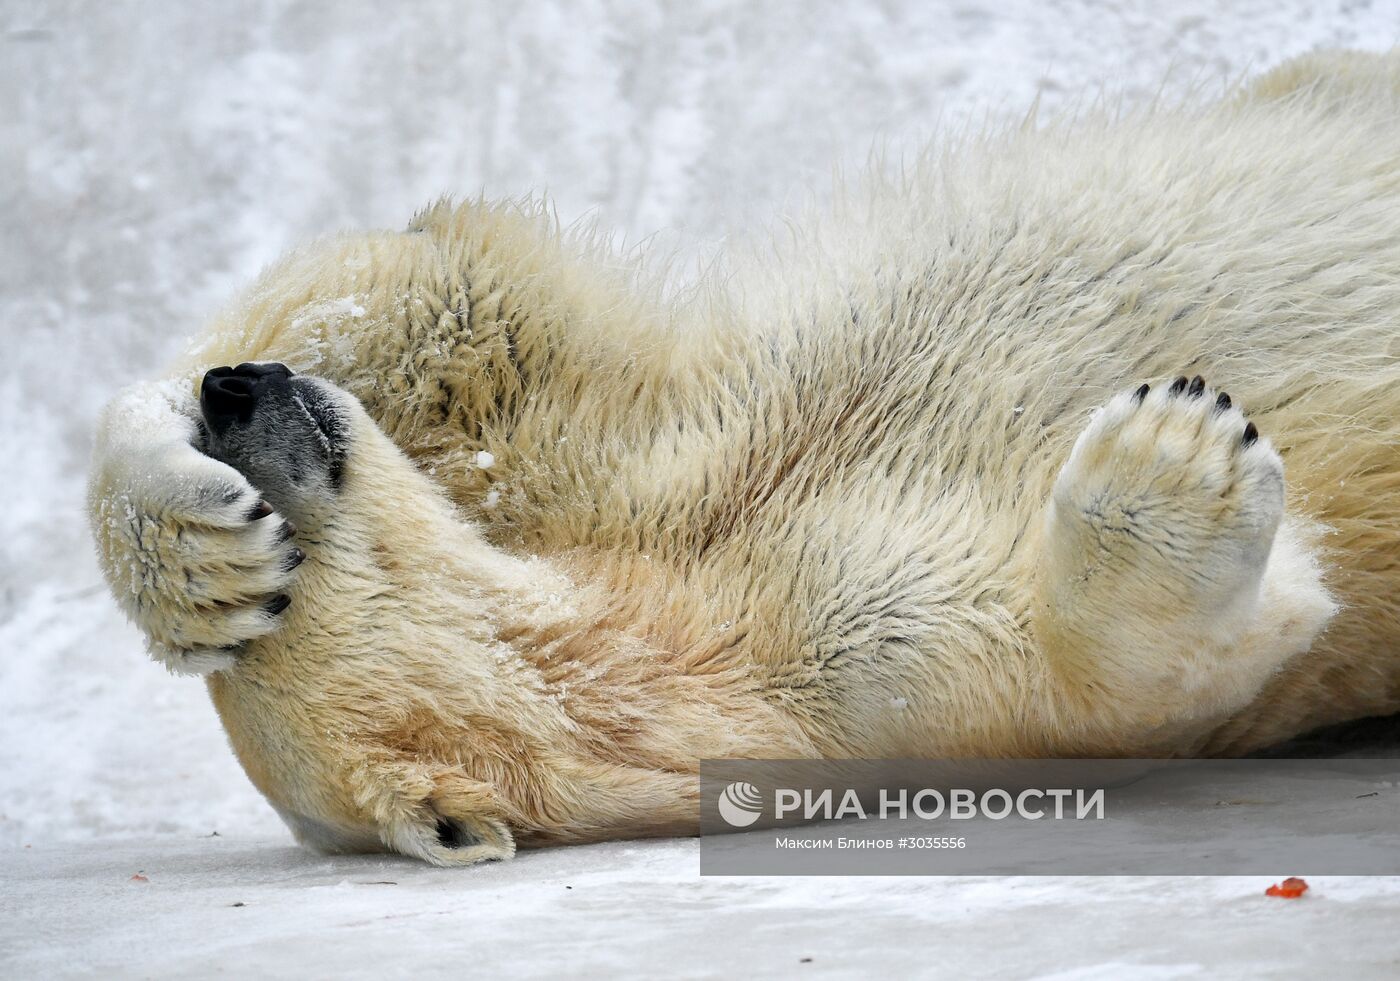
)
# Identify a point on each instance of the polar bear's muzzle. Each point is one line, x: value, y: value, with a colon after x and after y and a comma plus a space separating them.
x: 283, y: 432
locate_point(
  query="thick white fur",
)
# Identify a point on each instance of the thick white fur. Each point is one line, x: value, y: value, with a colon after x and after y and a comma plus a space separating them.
x: 173, y: 527
x: 886, y: 491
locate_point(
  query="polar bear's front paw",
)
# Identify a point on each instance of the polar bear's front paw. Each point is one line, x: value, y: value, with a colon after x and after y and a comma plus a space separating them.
x: 1174, y: 488
x: 194, y: 555
x: 203, y: 583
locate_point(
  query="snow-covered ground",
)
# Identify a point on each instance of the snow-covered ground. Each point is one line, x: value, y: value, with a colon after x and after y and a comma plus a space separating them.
x: 153, y: 158
x: 640, y: 910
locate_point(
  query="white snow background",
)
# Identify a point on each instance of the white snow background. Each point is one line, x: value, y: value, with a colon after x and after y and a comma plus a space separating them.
x: 154, y: 157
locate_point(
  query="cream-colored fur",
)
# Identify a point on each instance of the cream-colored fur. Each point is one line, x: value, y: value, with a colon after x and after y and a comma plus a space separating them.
x: 890, y: 490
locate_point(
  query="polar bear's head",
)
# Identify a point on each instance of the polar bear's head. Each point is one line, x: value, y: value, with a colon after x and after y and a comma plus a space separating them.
x: 367, y: 515
x: 321, y: 461
x: 289, y: 435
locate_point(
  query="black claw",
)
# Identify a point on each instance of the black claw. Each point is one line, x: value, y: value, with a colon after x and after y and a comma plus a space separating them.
x: 1198, y: 385
x: 288, y: 530
x: 1178, y: 386
x: 1222, y: 401
x: 295, y: 559
x: 277, y: 604
x: 1251, y: 433
x: 1141, y: 393
x: 260, y: 510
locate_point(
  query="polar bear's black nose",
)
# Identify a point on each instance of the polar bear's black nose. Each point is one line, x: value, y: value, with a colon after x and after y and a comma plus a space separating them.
x: 229, y: 394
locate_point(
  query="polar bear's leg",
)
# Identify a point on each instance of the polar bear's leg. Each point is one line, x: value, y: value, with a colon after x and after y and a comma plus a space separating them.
x: 195, y: 557
x: 1170, y: 584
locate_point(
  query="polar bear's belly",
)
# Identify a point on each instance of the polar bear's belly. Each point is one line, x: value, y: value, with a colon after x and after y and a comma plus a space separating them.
x: 329, y: 838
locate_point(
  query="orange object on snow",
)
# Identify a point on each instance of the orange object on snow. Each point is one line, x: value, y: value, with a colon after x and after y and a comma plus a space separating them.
x: 1290, y: 888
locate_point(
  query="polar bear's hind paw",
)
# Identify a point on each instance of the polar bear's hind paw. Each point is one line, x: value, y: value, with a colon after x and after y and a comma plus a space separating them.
x: 1179, y: 473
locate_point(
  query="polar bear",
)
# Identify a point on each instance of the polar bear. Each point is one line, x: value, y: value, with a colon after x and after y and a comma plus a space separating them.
x: 480, y: 539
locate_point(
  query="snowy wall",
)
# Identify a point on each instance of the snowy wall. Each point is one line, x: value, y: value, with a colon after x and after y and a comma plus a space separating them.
x: 154, y: 157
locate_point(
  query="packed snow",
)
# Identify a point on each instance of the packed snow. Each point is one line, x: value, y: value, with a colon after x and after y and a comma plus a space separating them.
x: 152, y: 160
